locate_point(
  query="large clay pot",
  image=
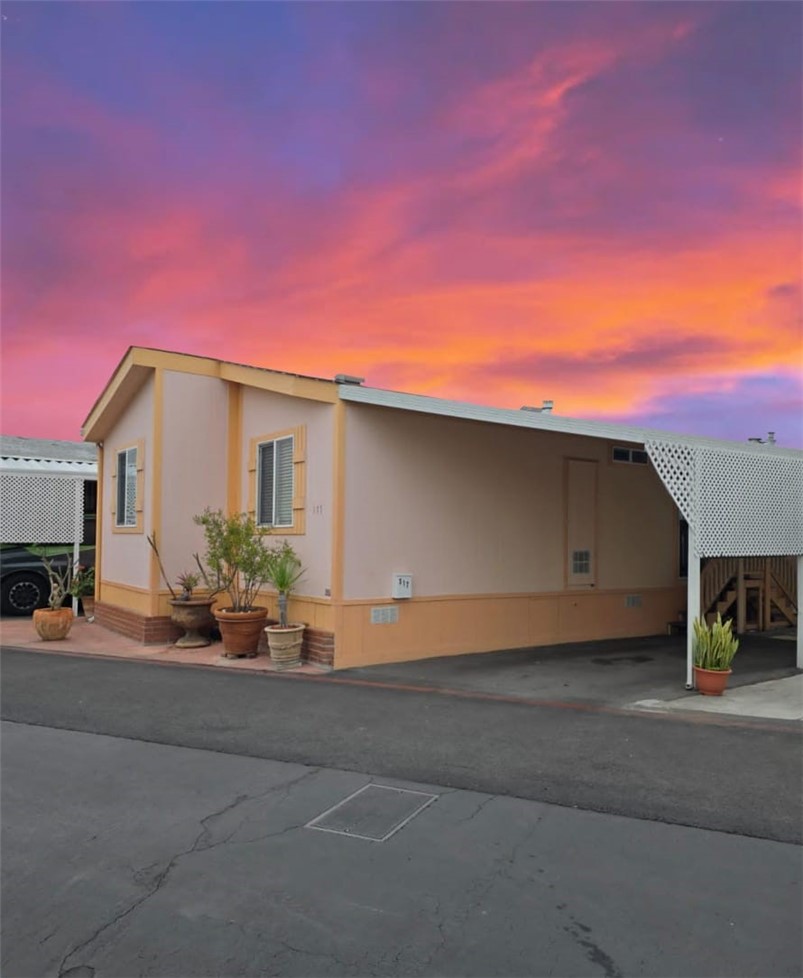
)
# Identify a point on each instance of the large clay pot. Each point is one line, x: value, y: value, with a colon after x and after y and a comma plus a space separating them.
x: 711, y: 682
x: 285, y: 645
x: 53, y: 625
x: 195, y: 617
x: 241, y: 631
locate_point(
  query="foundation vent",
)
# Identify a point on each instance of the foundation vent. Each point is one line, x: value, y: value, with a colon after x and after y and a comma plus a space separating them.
x: 632, y: 601
x: 386, y: 615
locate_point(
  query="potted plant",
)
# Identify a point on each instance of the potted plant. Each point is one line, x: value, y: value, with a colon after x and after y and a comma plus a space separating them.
x: 83, y: 587
x: 714, y: 647
x: 285, y: 640
x: 54, y: 622
x: 237, y: 562
x: 194, y: 615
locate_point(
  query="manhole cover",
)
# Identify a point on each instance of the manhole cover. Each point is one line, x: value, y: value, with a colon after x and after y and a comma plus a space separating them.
x: 374, y: 812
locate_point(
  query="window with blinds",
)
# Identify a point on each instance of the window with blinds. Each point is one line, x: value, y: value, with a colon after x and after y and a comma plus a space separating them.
x: 127, y: 487
x: 275, y: 478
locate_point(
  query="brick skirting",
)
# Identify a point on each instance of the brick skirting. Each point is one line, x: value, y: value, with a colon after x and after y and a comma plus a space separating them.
x: 149, y: 631
x: 318, y: 647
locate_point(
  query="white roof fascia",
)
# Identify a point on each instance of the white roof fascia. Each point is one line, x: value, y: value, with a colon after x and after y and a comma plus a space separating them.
x: 50, y: 467
x: 544, y: 422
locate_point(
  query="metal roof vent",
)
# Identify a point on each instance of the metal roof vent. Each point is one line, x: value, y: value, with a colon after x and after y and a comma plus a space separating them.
x: 546, y: 407
x: 348, y: 379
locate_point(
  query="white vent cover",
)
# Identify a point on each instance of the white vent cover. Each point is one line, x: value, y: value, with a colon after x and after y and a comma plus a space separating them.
x: 41, y: 509
x: 385, y: 615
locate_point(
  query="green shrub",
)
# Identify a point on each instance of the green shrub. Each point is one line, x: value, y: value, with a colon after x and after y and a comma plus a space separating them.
x: 236, y: 560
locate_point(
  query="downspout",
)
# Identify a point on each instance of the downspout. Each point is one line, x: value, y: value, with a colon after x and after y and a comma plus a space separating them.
x: 692, y: 603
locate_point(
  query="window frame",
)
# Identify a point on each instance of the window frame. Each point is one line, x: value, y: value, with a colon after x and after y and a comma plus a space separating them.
x: 138, y: 448
x: 274, y: 442
x: 298, y: 435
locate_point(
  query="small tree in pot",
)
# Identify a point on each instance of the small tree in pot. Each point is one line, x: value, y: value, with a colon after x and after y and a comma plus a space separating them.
x: 194, y: 615
x: 285, y: 640
x: 237, y: 562
x: 54, y: 622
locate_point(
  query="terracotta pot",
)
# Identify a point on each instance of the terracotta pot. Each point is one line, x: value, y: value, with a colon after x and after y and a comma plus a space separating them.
x: 285, y: 645
x: 711, y: 682
x: 241, y: 630
x: 195, y: 617
x: 53, y: 626
x: 88, y: 604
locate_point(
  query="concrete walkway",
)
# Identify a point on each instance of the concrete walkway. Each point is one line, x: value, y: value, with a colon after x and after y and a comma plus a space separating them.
x: 780, y: 699
x: 90, y: 638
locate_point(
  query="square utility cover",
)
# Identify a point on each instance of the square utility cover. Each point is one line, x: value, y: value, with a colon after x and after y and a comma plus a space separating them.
x: 374, y: 812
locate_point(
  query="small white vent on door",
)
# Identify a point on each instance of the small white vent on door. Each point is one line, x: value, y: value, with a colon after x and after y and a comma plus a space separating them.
x: 385, y: 615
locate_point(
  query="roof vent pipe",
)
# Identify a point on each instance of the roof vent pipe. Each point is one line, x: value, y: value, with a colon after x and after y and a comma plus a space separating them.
x: 547, y: 408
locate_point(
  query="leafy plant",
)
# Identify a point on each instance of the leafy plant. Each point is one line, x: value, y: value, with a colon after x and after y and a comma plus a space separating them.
x: 59, y: 576
x: 285, y: 572
x: 187, y: 581
x: 236, y: 560
x: 83, y: 581
x: 714, y: 646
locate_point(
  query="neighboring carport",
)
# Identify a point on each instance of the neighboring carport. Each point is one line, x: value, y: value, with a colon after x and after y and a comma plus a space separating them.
x: 43, y: 485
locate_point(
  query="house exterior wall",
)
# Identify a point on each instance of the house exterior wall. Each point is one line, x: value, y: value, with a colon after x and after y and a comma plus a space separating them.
x: 265, y: 413
x: 477, y: 514
x: 193, y: 464
x: 126, y: 556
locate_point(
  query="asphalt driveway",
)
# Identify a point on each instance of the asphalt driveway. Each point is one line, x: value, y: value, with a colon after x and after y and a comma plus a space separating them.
x: 616, y: 673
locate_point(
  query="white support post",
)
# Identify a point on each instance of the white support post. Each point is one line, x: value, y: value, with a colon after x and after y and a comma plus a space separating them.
x: 692, y: 603
x: 78, y: 532
x: 800, y: 612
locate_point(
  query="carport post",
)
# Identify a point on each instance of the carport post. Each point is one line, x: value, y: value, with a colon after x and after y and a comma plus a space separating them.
x: 692, y: 603
x: 800, y: 612
x: 79, y: 532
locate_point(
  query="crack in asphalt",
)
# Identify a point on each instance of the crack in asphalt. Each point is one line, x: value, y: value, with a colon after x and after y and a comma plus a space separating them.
x: 197, y: 846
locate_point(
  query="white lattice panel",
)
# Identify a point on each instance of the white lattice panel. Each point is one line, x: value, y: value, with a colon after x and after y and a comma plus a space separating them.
x: 749, y: 505
x: 740, y: 503
x: 40, y: 509
x: 675, y: 464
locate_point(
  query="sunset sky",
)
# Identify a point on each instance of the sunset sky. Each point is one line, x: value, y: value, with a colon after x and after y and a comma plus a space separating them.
x: 595, y: 203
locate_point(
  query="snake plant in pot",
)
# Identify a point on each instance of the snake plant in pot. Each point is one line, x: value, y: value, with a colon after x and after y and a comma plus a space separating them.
x: 237, y: 562
x: 286, y: 638
x: 714, y: 647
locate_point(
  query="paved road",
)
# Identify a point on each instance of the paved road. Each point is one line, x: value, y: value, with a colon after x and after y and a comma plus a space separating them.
x: 738, y: 778
x: 123, y: 858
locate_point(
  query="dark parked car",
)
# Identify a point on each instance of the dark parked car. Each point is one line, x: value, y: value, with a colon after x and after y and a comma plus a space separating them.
x: 23, y: 580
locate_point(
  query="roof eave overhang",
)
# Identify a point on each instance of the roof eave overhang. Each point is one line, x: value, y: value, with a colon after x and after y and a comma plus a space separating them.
x: 139, y: 363
x: 538, y: 421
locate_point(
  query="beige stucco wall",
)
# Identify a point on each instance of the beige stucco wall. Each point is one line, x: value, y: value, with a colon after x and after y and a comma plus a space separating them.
x: 476, y: 509
x: 193, y: 463
x: 478, y: 515
x: 264, y: 414
x: 125, y: 557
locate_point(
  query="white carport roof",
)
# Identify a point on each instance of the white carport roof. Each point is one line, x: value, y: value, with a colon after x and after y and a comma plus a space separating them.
x: 739, y: 498
x: 42, y: 489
